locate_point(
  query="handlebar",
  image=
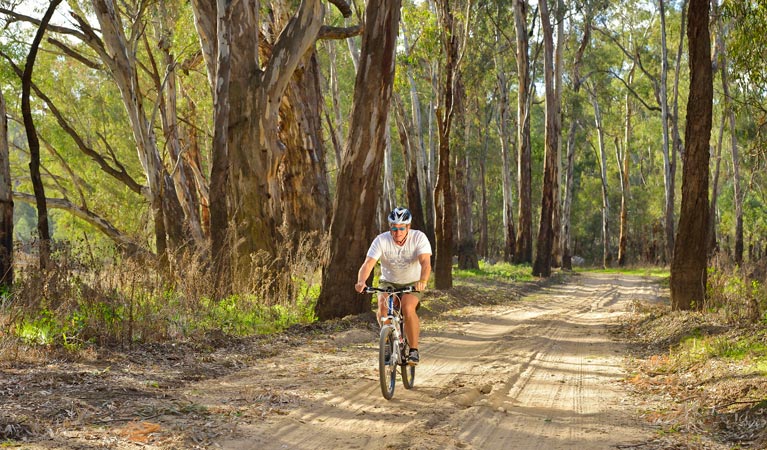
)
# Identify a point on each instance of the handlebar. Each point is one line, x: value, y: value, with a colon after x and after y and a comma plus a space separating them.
x: 373, y: 290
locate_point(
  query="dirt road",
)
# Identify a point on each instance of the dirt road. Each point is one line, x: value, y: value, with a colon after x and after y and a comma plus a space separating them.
x: 536, y: 372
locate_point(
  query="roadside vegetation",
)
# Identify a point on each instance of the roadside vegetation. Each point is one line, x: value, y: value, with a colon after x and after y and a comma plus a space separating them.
x: 701, y: 375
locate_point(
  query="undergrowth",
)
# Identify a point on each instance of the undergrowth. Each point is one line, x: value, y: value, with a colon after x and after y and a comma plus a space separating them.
x: 707, y: 369
x: 116, y: 301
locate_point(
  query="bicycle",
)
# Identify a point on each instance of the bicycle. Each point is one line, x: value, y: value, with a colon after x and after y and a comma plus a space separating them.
x: 393, y: 347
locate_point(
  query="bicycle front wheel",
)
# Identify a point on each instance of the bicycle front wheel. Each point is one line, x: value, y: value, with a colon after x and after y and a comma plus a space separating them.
x: 387, y: 362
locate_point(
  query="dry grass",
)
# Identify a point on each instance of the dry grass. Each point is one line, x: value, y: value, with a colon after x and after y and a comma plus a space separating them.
x: 83, y: 301
x: 704, y: 373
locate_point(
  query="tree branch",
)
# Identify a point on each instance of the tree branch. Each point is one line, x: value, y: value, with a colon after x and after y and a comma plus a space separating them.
x: 92, y: 218
x: 76, y: 55
x: 342, y: 6
x: 328, y: 32
x: 121, y: 174
x: 633, y: 92
x: 55, y: 28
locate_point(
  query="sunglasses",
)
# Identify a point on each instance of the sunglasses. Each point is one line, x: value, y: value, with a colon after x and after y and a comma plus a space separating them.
x: 398, y: 229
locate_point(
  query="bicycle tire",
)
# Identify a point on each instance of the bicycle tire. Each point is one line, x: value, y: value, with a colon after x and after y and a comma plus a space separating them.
x: 387, y: 373
x: 408, y: 375
x: 408, y: 371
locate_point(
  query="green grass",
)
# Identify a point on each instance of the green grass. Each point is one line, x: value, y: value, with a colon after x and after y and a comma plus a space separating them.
x: 751, y: 349
x: 502, y: 270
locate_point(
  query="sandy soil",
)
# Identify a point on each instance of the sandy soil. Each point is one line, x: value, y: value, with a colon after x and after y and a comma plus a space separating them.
x: 538, y: 371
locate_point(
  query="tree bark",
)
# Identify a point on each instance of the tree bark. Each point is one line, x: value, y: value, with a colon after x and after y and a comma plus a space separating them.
x: 421, y: 156
x: 409, y: 154
x: 6, y: 204
x: 43, y: 232
x: 352, y: 227
x: 543, y: 254
x: 167, y: 90
x: 688, y: 269
x: 255, y: 151
x: 444, y: 206
x: 335, y: 120
x: 484, y: 235
x: 303, y: 173
x: 556, y: 249
x: 118, y: 50
x: 465, y: 250
x: 523, y: 252
x: 606, y: 253
x: 713, y: 245
x: 506, y: 138
x: 575, y: 110
x: 669, y: 157
x: 624, y: 160
x: 736, y: 187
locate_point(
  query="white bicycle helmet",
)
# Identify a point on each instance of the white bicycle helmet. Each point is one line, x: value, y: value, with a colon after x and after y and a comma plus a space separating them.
x: 400, y: 216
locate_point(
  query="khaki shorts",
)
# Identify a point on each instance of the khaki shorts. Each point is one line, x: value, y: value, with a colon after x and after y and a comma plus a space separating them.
x: 386, y: 284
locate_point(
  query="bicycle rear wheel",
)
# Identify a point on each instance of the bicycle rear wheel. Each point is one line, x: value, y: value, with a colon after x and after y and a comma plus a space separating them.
x: 387, y: 362
x: 408, y: 371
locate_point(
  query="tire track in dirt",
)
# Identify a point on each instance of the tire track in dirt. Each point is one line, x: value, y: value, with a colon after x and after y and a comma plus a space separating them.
x: 541, y: 373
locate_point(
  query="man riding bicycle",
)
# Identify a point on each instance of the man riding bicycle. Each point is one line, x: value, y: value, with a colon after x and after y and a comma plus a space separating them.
x: 405, y: 257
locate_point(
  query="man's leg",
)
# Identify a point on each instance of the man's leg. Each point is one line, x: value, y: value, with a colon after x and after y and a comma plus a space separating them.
x: 383, y: 309
x: 412, y: 323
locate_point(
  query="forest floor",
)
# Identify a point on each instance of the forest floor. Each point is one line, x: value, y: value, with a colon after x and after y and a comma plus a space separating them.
x: 569, y: 363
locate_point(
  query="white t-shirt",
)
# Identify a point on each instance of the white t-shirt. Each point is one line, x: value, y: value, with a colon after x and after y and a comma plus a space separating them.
x: 400, y: 265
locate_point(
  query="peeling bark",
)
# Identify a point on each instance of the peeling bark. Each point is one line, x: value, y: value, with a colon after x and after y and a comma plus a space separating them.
x: 6, y: 203
x: 353, y: 224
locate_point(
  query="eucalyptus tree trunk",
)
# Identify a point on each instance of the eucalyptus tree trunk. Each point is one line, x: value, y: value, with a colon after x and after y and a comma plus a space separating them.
x: 688, y: 268
x: 669, y: 156
x: 542, y: 262
x: 523, y: 252
x: 359, y: 182
x: 335, y: 121
x: 568, y: 201
x: 676, y: 141
x: 506, y: 138
x: 6, y: 203
x: 303, y: 173
x: 606, y: 254
x: 419, y: 147
x: 556, y: 250
x: 713, y: 245
x: 167, y: 90
x: 192, y: 155
x: 444, y: 206
x: 219, y: 173
x: 465, y: 249
x: 717, y: 61
x: 728, y: 111
x: 409, y: 154
x: 482, y: 245
x: 433, y: 133
x: 118, y: 52
x: 43, y: 231
x: 389, y: 198
x: 575, y: 113
x: 624, y: 160
x: 254, y: 188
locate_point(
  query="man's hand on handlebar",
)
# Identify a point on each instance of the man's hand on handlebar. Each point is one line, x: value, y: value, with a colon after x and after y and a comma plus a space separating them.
x: 360, y: 286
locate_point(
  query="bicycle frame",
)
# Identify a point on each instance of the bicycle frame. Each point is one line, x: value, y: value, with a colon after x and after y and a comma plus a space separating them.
x: 393, y: 342
x: 395, y: 321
